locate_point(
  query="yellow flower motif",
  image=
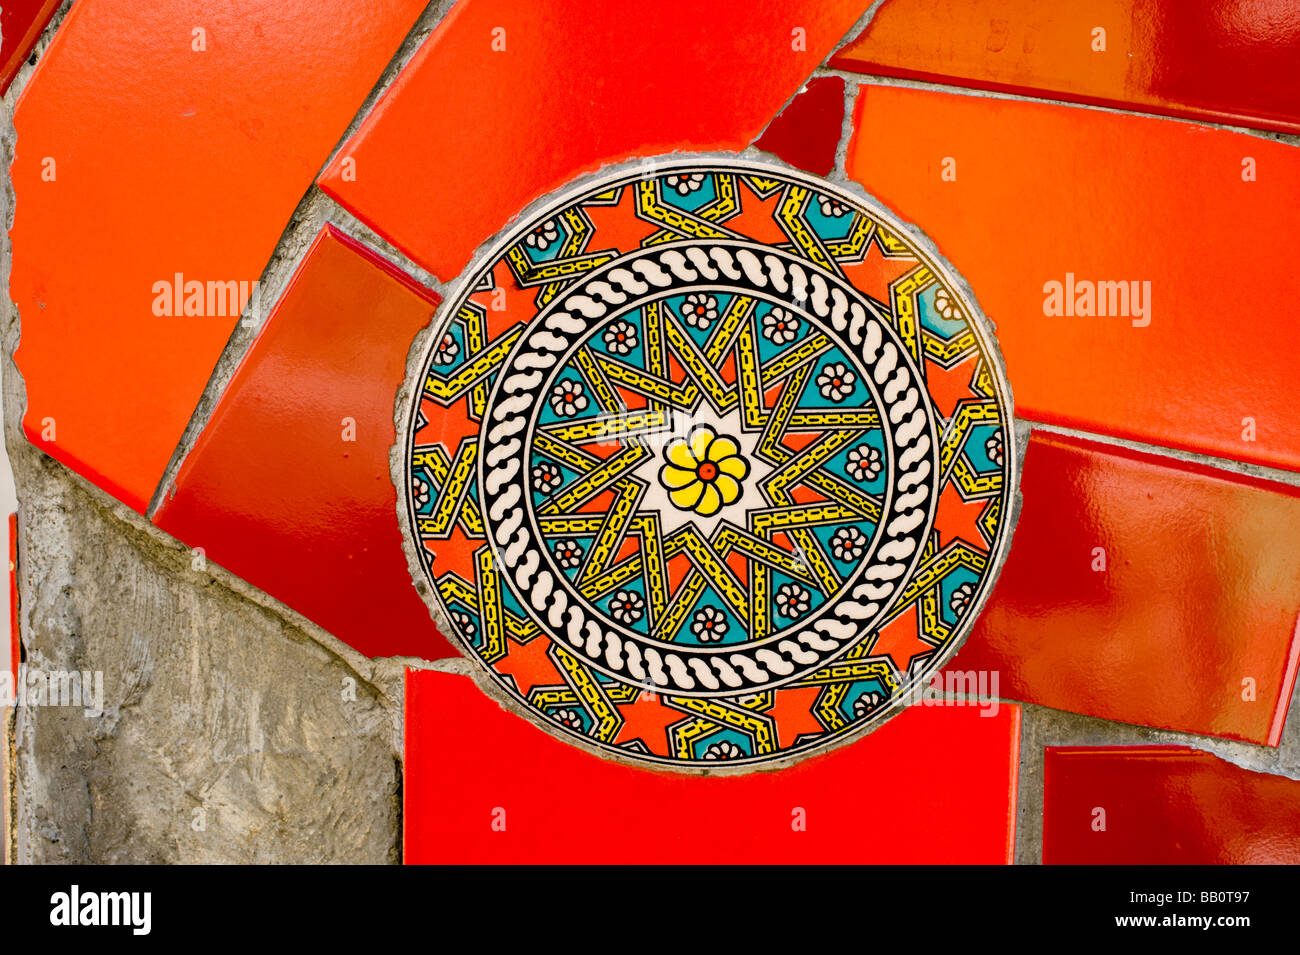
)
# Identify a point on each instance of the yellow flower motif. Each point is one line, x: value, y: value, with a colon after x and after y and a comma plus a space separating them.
x: 703, y: 472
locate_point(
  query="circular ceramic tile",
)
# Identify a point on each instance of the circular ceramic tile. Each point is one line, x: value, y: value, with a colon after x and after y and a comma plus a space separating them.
x: 709, y: 461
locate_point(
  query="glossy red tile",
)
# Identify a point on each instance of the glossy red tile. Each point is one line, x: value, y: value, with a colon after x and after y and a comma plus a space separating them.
x: 165, y: 145
x: 807, y: 132
x: 482, y: 785
x: 1041, y: 205
x: 288, y: 486
x: 1223, y: 60
x: 1147, y: 590
x: 21, y: 24
x: 508, y: 101
x: 1165, y: 805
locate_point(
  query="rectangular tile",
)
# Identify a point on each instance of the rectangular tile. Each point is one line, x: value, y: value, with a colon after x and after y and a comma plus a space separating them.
x: 1165, y: 805
x: 1020, y: 195
x: 288, y: 486
x: 1220, y: 60
x: 1147, y: 590
x: 484, y: 786
x: 162, y: 148
x: 507, y: 101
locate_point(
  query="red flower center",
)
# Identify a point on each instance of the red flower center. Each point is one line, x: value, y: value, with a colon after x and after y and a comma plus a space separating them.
x: 707, y: 471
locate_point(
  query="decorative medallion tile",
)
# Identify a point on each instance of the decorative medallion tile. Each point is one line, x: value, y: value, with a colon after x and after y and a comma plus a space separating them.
x: 708, y: 462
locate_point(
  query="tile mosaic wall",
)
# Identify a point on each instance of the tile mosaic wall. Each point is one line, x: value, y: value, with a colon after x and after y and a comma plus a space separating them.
x: 667, y: 389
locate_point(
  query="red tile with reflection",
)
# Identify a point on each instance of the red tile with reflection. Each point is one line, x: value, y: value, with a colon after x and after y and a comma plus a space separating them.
x: 1147, y: 590
x: 1165, y: 805
x: 1045, y: 193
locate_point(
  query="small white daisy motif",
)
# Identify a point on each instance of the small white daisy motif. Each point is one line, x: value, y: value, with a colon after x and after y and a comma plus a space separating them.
x: 709, y: 624
x: 791, y: 600
x: 627, y: 607
x: 865, y: 703
x: 446, y: 351
x: 723, y: 749
x: 421, y: 489
x: 961, y: 598
x: 993, y: 448
x: 568, y: 554
x: 620, y: 338
x: 947, y: 306
x: 700, y: 310
x: 546, y: 477
x: 864, y: 463
x: 832, y: 208
x: 567, y: 398
x: 542, y: 237
x: 835, y: 382
x: 848, y: 544
x: 685, y: 183
x: 779, y: 326
x: 464, y: 622
x: 567, y: 716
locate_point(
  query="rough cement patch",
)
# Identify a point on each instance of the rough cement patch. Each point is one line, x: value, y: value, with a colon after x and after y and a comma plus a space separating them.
x: 212, y: 704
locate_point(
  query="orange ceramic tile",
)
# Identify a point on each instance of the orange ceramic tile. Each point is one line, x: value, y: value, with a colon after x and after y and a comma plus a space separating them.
x: 1223, y: 60
x: 21, y: 25
x: 1147, y: 590
x: 160, y: 145
x: 289, y: 486
x: 1040, y: 204
x: 483, y: 786
x: 506, y: 101
x: 1165, y: 805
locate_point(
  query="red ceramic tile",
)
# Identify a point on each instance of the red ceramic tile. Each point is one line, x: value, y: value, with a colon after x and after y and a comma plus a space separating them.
x: 935, y: 784
x: 1165, y: 805
x: 276, y: 492
x: 140, y: 159
x: 21, y: 25
x: 1195, y: 591
x: 1224, y: 60
x: 1056, y: 194
x: 807, y: 132
x: 508, y: 101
